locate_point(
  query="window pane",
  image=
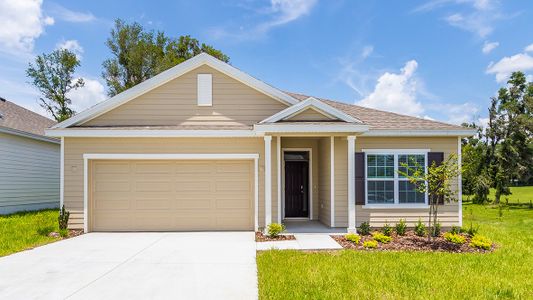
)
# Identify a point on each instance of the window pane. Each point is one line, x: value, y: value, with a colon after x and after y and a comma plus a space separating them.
x: 412, y: 161
x: 409, y: 194
x: 380, y: 166
x: 381, y: 192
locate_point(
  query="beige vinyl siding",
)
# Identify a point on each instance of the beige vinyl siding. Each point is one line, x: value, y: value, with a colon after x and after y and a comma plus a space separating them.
x: 76, y: 147
x: 175, y: 103
x: 324, y: 180
x: 294, y: 142
x: 448, y: 214
x: 309, y: 115
x: 171, y: 195
x: 29, y: 174
x: 341, y: 182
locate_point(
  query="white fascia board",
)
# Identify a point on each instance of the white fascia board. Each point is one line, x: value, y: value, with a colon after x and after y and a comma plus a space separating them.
x: 29, y: 135
x: 262, y: 128
x: 171, y: 74
x: 149, y: 133
x: 420, y: 133
x: 171, y: 156
x: 307, y: 103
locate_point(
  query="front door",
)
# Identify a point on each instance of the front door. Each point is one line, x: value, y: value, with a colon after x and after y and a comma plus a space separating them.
x: 296, y: 185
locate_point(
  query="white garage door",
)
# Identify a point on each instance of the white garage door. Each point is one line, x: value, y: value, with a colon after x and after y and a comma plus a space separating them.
x: 173, y: 195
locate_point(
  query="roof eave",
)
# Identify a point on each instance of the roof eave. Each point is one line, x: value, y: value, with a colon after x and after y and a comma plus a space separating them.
x: 420, y: 132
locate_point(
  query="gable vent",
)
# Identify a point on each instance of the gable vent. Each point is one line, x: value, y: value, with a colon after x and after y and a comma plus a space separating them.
x: 205, y: 89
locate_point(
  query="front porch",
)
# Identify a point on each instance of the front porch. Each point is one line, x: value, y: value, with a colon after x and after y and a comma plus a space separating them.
x: 311, y: 226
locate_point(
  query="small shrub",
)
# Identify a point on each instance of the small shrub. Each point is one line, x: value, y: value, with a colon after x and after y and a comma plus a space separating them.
x: 387, y: 229
x: 530, y: 204
x: 401, y: 227
x: 456, y: 230
x: 480, y: 242
x: 45, y: 230
x: 471, y: 231
x: 353, y: 237
x: 380, y: 237
x: 275, y: 229
x: 63, y: 218
x: 371, y: 244
x: 454, y: 238
x: 435, y: 229
x: 63, y: 232
x: 364, y: 228
x: 420, y: 228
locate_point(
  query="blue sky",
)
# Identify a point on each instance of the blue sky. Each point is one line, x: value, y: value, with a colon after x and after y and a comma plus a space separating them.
x: 440, y: 59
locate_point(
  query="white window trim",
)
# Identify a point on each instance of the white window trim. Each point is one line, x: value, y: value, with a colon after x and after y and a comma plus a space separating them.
x: 185, y: 156
x: 396, y: 179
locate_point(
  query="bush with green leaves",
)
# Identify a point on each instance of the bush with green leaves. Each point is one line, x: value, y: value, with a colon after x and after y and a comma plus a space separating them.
x: 275, y: 229
x: 480, y: 242
x: 454, y: 238
x: 435, y: 229
x: 364, y: 228
x: 63, y: 218
x: 63, y: 233
x: 353, y: 237
x: 420, y: 228
x: 472, y: 230
x: 382, y: 238
x: 456, y: 229
x: 387, y: 229
x: 401, y: 227
x: 371, y: 244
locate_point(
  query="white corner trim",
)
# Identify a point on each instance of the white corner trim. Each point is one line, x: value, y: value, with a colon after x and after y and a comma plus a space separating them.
x: 311, y: 103
x: 62, y: 174
x: 460, y: 180
x: 332, y: 180
x: 268, y: 180
x: 420, y: 133
x: 395, y: 206
x: 351, y: 183
x: 180, y: 156
x: 173, y: 73
x: 309, y: 128
x: 155, y: 133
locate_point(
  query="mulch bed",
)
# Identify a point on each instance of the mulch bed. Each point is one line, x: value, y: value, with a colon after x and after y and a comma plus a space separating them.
x: 411, y: 242
x: 260, y: 237
x: 71, y: 233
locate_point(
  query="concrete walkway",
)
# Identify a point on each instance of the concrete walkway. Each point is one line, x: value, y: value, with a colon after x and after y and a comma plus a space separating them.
x: 203, y: 265
x: 304, y: 241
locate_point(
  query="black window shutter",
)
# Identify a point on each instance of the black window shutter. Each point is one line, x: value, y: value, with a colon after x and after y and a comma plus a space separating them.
x: 359, y: 178
x: 436, y: 157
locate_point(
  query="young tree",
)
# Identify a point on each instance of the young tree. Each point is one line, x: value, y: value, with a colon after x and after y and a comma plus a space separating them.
x: 53, y: 75
x: 437, y: 182
x: 138, y: 54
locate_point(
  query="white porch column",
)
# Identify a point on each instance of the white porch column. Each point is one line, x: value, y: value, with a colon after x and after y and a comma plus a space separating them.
x: 268, y: 180
x: 62, y: 174
x: 278, y: 155
x: 460, y: 181
x: 351, y: 184
x: 332, y: 180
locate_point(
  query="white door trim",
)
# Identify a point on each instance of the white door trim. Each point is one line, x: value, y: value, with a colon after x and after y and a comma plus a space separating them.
x: 310, y: 150
x: 181, y: 156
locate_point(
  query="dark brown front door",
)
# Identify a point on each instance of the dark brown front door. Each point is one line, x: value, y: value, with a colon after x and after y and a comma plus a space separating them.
x: 296, y: 189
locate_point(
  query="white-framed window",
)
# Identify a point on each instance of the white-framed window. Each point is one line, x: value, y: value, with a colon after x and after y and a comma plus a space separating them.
x: 384, y: 185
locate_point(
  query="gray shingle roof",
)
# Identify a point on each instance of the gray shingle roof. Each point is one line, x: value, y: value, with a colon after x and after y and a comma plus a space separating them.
x: 18, y: 118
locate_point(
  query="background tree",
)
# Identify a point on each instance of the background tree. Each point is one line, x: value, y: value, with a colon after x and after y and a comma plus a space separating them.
x: 437, y: 182
x: 53, y: 75
x: 138, y: 54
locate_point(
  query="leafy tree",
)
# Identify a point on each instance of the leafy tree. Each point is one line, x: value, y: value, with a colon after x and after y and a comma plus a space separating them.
x: 53, y: 75
x: 475, y: 180
x: 437, y: 182
x: 138, y: 54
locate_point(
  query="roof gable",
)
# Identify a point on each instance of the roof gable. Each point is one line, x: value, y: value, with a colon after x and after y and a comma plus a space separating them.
x: 310, y: 114
x: 170, y: 74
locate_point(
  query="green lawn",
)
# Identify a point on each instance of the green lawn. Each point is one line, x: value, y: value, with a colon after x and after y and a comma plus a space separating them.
x: 505, y: 274
x: 520, y: 194
x: 26, y: 230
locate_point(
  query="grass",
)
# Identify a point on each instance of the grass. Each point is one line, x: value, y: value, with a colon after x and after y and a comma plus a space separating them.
x: 27, y: 230
x: 506, y: 273
x: 520, y: 195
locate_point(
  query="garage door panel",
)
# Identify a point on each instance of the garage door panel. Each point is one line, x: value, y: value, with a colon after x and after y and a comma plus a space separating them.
x: 171, y: 195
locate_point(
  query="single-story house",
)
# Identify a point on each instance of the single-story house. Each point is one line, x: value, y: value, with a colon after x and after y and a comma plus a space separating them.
x: 29, y: 160
x: 205, y: 146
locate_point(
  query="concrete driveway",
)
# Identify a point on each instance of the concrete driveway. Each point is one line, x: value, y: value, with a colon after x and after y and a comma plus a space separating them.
x: 203, y: 265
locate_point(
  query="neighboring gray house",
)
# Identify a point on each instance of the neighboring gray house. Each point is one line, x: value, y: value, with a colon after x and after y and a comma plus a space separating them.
x: 29, y: 161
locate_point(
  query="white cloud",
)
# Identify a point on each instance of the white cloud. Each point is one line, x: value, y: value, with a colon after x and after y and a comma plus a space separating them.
x: 367, y: 51
x: 72, y: 45
x: 68, y: 15
x: 457, y: 113
x: 396, y: 92
x: 280, y: 12
x: 90, y: 94
x: 489, y: 46
x: 503, y: 68
x: 529, y: 48
x: 21, y: 22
